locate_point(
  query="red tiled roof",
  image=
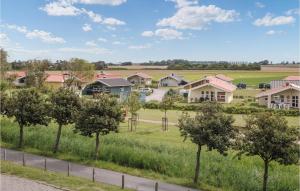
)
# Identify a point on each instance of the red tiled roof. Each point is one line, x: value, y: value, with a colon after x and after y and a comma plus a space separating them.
x: 105, y: 75
x: 217, y: 83
x: 279, y: 89
x: 143, y: 75
x: 292, y: 78
x: 223, y: 77
x: 18, y: 74
x: 55, y: 78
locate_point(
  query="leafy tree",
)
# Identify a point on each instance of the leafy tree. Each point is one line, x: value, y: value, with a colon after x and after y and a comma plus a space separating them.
x: 79, y: 70
x: 98, y: 117
x: 36, y: 73
x: 270, y: 138
x: 133, y: 104
x: 29, y: 108
x: 4, y: 66
x: 166, y: 104
x: 209, y: 127
x: 64, y: 104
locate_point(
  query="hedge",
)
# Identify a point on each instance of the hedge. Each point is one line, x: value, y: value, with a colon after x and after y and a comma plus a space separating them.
x: 228, y: 109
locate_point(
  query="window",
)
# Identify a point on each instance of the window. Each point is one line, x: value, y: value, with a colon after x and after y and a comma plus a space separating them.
x: 281, y: 98
x: 295, y: 101
x: 121, y: 89
x: 212, y: 96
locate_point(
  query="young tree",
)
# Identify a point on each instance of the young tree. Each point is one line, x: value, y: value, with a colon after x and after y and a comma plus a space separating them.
x: 271, y: 139
x: 64, y: 104
x: 166, y: 104
x: 209, y: 127
x: 133, y: 104
x: 36, y: 73
x: 29, y: 108
x: 98, y: 117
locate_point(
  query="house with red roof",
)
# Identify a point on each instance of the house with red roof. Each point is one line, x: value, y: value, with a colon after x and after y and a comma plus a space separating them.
x: 210, y: 88
x: 284, y: 94
x: 140, y: 79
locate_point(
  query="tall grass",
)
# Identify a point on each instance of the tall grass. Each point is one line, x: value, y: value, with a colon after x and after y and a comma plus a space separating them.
x: 146, y: 149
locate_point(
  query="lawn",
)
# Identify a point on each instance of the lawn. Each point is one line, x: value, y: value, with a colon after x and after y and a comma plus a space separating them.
x: 152, y: 153
x: 56, y: 179
x: 173, y: 115
x: 252, y: 78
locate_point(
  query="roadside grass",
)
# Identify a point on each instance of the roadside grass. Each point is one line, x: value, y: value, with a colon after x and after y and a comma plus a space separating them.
x: 54, y: 178
x: 173, y: 115
x: 149, y: 152
x: 251, y: 78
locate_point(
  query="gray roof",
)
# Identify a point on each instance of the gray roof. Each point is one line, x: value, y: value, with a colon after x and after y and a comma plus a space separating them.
x: 114, y: 82
x: 175, y: 77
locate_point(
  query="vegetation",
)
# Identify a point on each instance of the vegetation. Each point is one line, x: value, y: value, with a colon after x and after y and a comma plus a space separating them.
x: 166, y: 104
x: 270, y: 138
x: 64, y: 104
x: 55, y: 178
x: 133, y: 105
x: 99, y: 117
x: 150, y: 153
x: 36, y: 73
x: 28, y: 108
x: 210, y: 127
x: 4, y: 66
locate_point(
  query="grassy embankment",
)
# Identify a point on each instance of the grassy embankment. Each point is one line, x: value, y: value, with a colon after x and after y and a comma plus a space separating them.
x: 56, y: 179
x: 149, y: 152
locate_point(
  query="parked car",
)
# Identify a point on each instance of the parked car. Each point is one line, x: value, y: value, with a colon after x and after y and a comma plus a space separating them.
x: 241, y: 85
x: 148, y: 91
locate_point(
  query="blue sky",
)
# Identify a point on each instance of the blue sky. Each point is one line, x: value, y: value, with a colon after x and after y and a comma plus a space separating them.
x: 143, y: 30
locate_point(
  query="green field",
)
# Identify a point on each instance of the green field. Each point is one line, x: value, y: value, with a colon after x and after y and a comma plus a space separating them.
x: 57, y: 179
x: 152, y: 153
x: 252, y: 78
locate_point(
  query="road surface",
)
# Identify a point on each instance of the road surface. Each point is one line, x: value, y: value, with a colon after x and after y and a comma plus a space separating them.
x: 157, y: 95
x: 101, y: 175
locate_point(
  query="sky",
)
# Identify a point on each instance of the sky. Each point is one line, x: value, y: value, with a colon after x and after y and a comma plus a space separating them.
x: 144, y: 30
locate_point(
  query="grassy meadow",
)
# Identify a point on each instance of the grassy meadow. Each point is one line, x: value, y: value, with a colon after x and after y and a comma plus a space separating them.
x: 251, y: 78
x: 149, y: 152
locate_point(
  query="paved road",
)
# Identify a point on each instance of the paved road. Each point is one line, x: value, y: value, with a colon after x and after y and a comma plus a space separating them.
x: 157, y: 95
x: 13, y: 183
x: 155, y: 122
x: 101, y: 175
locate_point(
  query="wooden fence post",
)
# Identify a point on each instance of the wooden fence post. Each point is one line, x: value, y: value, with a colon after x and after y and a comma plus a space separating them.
x: 156, y: 186
x: 93, y: 175
x: 23, y: 159
x: 123, y: 181
x: 68, y: 169
x: 4, y: 154
x: 45, y: 164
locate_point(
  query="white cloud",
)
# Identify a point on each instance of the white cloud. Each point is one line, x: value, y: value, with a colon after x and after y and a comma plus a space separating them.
x: 86, y: 27
x: 273, y: 32
x: 93, y: 16
x: 94, y: 50
x: 184, y: 3
x: 102, y: 2
x: 139, y: 47
x: 165, y: 34
x: 147, y: 33
x: 60, y: 8
x: 113, y: 22
x: 198, y: 17
x: 91, y: 43
x: 44, y: 36
x: 4, y: 39
x: 259, y: 5
x: 102, y: 39
x: 269, y: 20
x: 117, y: 43
x: 295, y: 11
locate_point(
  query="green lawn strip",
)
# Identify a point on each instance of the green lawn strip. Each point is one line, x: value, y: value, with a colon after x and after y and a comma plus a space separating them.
x: 54, y: 178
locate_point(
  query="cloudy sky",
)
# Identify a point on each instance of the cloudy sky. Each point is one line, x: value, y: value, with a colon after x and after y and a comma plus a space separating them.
x: 143, y: 30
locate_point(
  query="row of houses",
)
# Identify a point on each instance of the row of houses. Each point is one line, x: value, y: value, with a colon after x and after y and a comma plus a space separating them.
x: 283, y: 93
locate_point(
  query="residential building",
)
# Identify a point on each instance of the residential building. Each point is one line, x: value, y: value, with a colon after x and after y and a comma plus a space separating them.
x: 118, y: 87
x: 172, y: 80
x: 210, y: 88
x: 140, y: 79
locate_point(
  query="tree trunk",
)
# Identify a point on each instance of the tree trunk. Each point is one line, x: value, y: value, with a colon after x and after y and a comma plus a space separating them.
x: 197, y: 170
x: 21, y: 136
x: 97, y: 146
x: 266, y: 164
x: 55, y: 148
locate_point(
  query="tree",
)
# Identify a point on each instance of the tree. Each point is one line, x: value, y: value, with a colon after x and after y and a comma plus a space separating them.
x: 165, y: 105
x: 133, y: 104
x: 64, y: 104
x: 270, y: 138
x: 29, y: 108
x: 209, y: 127
x: 98, y: 117
x: 78, y: 70
x: 4, y: 66
x: 36, y: 73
